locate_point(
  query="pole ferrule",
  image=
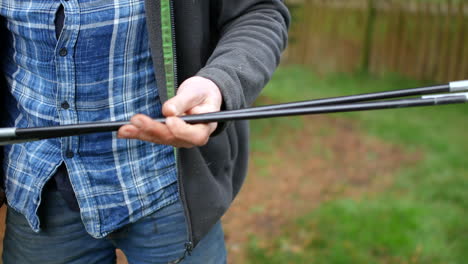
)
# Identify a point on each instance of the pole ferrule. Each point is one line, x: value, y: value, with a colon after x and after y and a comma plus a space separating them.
x: 436, y: 96
x: 459, y: 86
x: 7, y: 132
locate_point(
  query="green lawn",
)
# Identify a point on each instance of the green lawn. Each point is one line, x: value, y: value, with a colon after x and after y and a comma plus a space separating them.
x: 421, y: 218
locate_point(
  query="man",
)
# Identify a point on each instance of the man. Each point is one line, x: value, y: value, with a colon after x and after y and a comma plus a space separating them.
x: 76, y: 199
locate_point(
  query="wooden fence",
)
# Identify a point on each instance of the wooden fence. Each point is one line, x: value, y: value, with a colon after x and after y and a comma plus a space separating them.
x: 419, y: 39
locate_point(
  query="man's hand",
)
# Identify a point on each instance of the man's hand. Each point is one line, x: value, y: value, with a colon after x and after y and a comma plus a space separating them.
x: 196, y: 95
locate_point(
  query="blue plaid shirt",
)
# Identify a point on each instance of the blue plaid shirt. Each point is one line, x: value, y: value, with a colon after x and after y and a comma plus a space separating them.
x: 99, y: 69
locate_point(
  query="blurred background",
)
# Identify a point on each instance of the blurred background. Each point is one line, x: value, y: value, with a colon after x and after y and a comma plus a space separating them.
x: 388, y: 186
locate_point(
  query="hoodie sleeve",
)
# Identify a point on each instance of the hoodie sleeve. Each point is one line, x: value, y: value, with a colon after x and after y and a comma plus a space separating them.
x: 253, y: 35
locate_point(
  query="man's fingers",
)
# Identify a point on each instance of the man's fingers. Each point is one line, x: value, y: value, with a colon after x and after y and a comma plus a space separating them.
x: 144, y: 128
x: 194, y: 135
x: 202, y: 109
x: 181, y: 103
x: 128, y: 131
x: 176, y: 132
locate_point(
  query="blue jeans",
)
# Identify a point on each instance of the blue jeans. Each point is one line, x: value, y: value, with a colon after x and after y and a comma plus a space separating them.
x: 157, y: 238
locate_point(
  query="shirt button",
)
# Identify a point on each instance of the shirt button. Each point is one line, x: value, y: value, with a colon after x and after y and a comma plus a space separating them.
x: 69, y: 154
x: 63, y: 52
x: 65, y: 105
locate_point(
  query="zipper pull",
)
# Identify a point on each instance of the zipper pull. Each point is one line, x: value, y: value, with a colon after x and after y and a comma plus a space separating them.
x: 189, y: 248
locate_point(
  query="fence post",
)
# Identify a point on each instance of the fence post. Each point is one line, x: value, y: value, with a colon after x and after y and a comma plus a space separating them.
x: 368, y: 36
x: 462, y: 64
x: 444, y: 58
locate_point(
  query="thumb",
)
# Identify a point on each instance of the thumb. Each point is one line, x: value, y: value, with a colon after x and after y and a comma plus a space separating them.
x: 181, y: 103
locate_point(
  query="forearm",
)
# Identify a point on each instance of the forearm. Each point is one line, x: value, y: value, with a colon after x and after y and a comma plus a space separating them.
x: 253, y: 35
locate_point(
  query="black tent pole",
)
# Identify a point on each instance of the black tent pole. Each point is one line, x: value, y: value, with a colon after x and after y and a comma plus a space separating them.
x: 17, y: 135
x: 456, y: 86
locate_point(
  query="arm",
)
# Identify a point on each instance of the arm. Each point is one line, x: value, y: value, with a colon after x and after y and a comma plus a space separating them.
x: 252, y: 37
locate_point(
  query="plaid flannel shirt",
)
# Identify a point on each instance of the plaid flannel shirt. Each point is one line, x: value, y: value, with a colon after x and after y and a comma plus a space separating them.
x: 99, y: 69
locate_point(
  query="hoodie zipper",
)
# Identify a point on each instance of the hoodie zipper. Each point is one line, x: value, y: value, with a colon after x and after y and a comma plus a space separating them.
x: 189, y: 243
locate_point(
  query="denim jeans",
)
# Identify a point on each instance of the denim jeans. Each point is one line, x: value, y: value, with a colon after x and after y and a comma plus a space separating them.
x: 157, y: 238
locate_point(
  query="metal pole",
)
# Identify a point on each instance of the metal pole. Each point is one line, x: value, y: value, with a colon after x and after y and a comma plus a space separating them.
x: 18, y: 135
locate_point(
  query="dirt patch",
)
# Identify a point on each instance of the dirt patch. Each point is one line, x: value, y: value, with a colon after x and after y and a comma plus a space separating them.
x: 327, y: 158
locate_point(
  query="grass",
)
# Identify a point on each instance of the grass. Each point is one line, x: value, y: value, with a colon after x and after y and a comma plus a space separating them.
x: 420, y: 219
